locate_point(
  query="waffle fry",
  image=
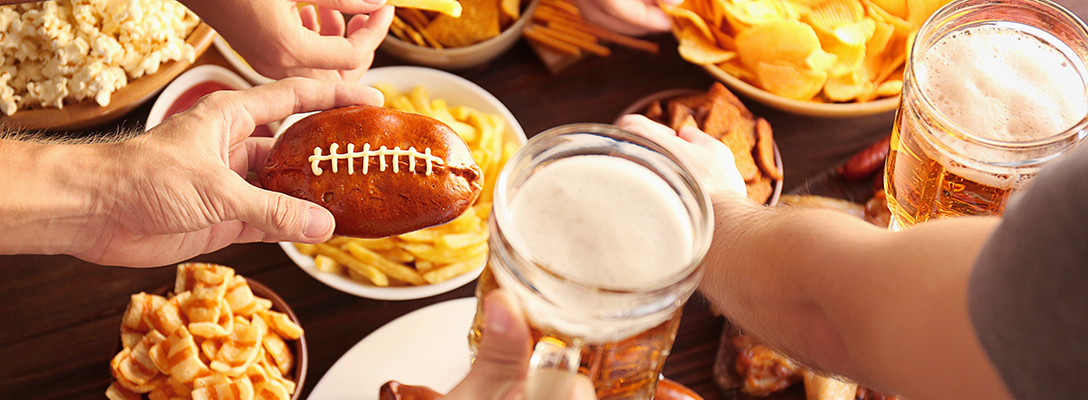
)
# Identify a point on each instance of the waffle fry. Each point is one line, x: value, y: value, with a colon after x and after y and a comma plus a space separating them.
x: 437, y: 254
x: 213, y: 340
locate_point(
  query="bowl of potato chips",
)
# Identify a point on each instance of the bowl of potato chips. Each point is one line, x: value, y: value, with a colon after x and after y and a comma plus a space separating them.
x: 483, y: 30
x: 212, y: 331
x: 834, y: 58
x: 435, y: 260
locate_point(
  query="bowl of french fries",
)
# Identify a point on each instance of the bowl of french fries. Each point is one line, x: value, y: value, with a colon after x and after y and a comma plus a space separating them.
x: 436, y: 260
x: 437, y: 34
x: 834, y: 58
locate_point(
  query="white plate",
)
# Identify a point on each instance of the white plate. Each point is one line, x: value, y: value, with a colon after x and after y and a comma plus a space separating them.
x: 456, y: 91
x: 428, y: 347
x: 346, y: 285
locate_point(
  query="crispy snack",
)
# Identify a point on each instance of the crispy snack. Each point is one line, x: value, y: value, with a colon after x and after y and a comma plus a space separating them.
x: 819, y: 387
x: 558, y: 26
x: 213, y: 339
x: 828, y: 51
x: 443, y: 24
x: 435, y: 254
x: 448, y: 7
x: 721, y: 114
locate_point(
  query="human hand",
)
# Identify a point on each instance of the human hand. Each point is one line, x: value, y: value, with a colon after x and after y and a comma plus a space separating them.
x: 179, y: 190
x: 502, y: 362
x: 631, y: 17
x: 279, y: 40
x: 710, y: 159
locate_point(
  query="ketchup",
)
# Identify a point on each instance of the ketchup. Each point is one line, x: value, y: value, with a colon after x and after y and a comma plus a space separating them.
x: 189, y: 97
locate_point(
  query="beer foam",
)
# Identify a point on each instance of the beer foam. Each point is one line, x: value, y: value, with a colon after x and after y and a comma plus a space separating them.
x: 1003, y: 83
x: 605, y: 221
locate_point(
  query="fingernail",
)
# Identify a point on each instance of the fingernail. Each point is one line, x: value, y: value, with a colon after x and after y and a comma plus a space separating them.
x: 317, y: 223
x: 498, y: 318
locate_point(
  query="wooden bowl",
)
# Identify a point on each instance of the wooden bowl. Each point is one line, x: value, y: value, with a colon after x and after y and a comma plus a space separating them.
x: 88, y: 113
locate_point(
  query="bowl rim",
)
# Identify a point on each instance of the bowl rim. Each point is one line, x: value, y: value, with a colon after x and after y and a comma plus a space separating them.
x: 515, y: 132
x: 512, y: 30
x: 807, y: 108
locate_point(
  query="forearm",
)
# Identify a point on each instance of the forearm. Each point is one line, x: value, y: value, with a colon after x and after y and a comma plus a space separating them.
x: 888, y: 309
x: 48, y: 196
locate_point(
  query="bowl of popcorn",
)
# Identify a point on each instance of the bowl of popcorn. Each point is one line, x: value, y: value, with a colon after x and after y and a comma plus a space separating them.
x: 68, y: 66
x: 439, y: 259
x: 838, y: 58
x: 212, y: 331
x: 437, y: 33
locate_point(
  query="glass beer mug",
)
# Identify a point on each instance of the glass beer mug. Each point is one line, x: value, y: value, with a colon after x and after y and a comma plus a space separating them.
x: 599, y: 233
x: 992, y: 91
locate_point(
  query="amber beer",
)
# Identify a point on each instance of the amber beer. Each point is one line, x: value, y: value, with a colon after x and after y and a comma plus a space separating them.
x: 992, y: 91
x: 599, y: 234
x: 624, y: 369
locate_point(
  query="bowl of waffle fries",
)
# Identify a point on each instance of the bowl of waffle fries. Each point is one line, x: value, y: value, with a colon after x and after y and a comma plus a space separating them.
x: 210, y: 334
x: 436, y: 260
x: 723, y: 116
x: 834, y: 58
x: 427, y: 32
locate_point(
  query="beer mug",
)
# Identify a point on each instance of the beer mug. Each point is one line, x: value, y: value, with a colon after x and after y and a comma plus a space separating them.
x: 599, y: 233
x: 991, y: 92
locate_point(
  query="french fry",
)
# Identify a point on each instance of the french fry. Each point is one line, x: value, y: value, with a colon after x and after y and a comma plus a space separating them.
x: 445, y: 273
x: 392, y: 269
x: 445, y: 255
x: 305, y: 249
x: 369, y: 272
x: 325, y: 263
x: 448, y: 7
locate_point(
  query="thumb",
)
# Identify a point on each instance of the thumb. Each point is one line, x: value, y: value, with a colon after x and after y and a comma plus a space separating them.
x: 503, y: 357
x: 279, y: 216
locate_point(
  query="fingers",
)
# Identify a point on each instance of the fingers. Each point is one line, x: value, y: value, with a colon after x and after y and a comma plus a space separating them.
x: 280, y: 217
x: 330, y: 22
x: 631, y: 17
x: 308, y: 15
x: 366, y: 32
x: 328, y: 49
x: 349, y: 6
x: 243, y: 110
x: 503, y: 357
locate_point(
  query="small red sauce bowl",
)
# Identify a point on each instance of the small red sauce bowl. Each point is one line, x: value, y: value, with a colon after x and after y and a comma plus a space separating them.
x: 195, y: 83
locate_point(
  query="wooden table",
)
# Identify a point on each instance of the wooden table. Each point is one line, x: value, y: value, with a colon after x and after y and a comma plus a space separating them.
x: 60, y: 316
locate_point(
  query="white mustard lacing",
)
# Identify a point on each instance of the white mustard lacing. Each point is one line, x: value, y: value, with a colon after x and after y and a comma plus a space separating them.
x: 381, y: 152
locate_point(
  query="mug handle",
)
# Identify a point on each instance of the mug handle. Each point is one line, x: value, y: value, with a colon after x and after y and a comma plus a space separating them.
x: 552, y: 369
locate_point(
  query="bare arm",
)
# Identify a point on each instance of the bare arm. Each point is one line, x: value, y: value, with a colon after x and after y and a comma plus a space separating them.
x: 887, y: 309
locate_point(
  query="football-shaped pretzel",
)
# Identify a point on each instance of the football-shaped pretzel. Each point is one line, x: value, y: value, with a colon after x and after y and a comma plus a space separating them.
x: 381, y: 172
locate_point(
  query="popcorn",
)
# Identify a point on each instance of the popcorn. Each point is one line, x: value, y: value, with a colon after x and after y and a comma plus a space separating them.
x: 64, y: 51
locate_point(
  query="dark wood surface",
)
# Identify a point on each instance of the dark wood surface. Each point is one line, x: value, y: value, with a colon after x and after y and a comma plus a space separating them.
x: 60, y: 316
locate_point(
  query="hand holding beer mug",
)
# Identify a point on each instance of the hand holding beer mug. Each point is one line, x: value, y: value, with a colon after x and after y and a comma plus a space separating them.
x: 599, y: 233
x: 992, y: 91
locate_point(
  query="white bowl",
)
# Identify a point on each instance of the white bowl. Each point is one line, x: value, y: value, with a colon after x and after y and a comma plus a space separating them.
x: 807, y: 108
x: 461, y: 57
x: 238, y: 63
x: 186, y: 81
x: 457, y: 91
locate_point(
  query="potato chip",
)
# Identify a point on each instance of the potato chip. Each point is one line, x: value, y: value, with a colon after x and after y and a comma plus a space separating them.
x: 751, y: 13
x: 686, y: 19
x: 820, y: 60
x: 856, y: 33
x: 698, y: 49
x: 848, y: 58
x: 788, y: 81
x: 780, y: 42
x: 845, y: 88
x: 890, y: 88
x: 478, y: 22
x: 919, y: 10
x: 833, y: 14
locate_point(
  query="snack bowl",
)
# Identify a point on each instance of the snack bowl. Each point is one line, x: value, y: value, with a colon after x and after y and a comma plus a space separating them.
x: 297, y: 347
x: 800, y: 107
x: 641, y: 105
x: 456, y: 91
x: 238, y: 63
x: 88, y: 113
x: 188, y: 87
x: 455, y: 58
